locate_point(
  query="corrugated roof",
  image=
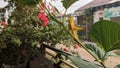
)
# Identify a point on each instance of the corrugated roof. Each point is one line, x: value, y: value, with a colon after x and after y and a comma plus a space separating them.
x: 112, y: 1
x: 94, y: 3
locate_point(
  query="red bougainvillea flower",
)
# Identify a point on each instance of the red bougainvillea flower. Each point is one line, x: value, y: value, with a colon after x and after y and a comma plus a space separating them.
x: 45, y: 22
x: 75, y: 46
x: 65, y: 49
x: 42, y: 16
x: 4, y: 24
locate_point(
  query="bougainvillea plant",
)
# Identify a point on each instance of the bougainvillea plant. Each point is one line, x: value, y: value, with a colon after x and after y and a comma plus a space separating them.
x: 28, y: 26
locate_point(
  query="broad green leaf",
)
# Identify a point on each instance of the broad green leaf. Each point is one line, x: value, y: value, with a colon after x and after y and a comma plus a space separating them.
x: 106, y: 34
x: 68, y: 3
x: 95, y: 50
x: 82, y: 63
x: 117, y: 66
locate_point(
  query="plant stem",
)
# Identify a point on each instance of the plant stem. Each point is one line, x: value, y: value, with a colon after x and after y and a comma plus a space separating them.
x: 78, y: 41
x: 64, y: 16
x: 103, y: 64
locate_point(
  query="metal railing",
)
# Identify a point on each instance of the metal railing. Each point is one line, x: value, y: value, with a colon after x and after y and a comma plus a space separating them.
x: 57, y: 56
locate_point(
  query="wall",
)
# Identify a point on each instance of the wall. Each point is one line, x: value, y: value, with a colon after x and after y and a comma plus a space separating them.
x: 98, y: 14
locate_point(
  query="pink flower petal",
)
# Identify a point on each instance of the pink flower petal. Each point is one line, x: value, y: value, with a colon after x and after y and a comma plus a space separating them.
x: 42, y: 16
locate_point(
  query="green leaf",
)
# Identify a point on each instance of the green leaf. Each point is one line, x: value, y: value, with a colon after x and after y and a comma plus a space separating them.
x: 106, y: 34
x: 82, y: 63
x: 111, y: 54
x: 68, y: 3
x: 117, y: 66
x: 95, y: 50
